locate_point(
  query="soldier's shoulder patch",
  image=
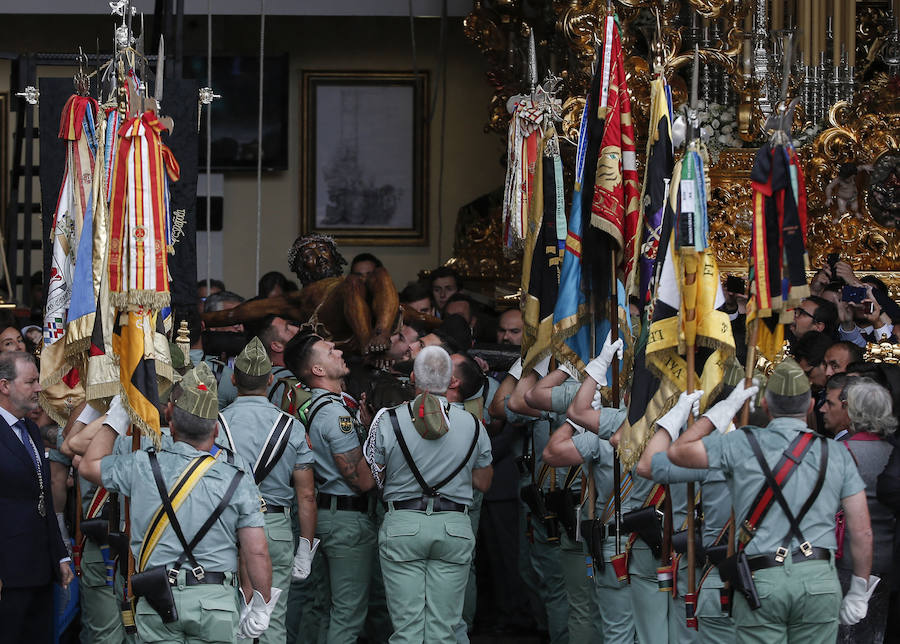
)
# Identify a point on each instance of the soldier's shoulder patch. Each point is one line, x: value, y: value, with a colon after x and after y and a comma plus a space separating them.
x: 346, y: 424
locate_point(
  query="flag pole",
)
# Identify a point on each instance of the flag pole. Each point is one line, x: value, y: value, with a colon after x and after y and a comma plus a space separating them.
x: 614, y: 334
x: 689, y: 267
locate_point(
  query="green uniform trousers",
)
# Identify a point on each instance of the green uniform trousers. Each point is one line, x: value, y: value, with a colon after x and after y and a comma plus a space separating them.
x: 471, y: 601
x: 206, y: 613
x: 281, y: 553
x: 378, y: 626
x: 614, y: 602
x: 528, y: 574
x: 313, y: 595
x: 649, y: 606
x: 348, y: 542
x: 715, y: 625
x: 583, y: 623
x: 425, y: 559
x: 101, y: 620
x: 800, y: 603
x: 547, y: 562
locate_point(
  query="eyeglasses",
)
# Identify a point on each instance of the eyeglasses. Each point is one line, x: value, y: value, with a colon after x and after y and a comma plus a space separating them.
x: 800, y: 312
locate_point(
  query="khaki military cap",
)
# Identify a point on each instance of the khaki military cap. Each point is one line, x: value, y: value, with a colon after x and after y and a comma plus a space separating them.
x: 253, y: 360
x: 734, y: 372
x: 788, y: 379
x: 199, y: 395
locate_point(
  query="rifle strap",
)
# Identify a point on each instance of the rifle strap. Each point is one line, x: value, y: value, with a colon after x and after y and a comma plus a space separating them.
x: 625, y: 488
x: 428, y: 490
x: 784, y: 469
x: 165, y: 513
x: 210, y: 521
x: 273, y: 450
x: 772, y: 483
x: 227, y: 431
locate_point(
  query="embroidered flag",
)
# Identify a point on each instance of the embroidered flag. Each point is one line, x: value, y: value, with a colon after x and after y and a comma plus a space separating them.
x: 541, y: 259
x: 778, y: 258
x: 615, y: 194
x: 521, y: 159
x: 138, y: 266
x: 60, y: 378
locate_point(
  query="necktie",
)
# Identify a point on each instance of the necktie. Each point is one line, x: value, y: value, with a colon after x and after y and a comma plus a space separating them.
x: 22, y: 431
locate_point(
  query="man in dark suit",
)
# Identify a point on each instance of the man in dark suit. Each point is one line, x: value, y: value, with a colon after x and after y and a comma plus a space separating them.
x: 32, y: 554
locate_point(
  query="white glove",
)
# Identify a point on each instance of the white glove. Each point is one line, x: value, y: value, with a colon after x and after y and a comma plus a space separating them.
x: 303, y: 558
x: 722, y: 413
x: 568, y: 370
x: 117, y: 418
x: 856, y: 602
x: 516, y: 370
x: 543, y: 367
x: 675, y: 418
x: 598, y: 367
x: 575, y: 426
x: 597, y: 400
x: 88, y: 415
x: 256, y: 621
x: 245, y: 608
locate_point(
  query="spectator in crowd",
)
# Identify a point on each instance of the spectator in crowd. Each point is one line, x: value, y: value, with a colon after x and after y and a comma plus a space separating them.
x: 509, y: 327
x: 272, y: 284
x: 839, y: 355
x: 871, y: 423
x: 363, y: 265
x: 809, y: 352
x: 11, y: 340
x: 834, y: 411
x: 417, y: 296
x: 444, y: 283
x: 814, y: 314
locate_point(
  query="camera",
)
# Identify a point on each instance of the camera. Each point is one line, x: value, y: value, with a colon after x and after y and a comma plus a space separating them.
x: 836, y: 283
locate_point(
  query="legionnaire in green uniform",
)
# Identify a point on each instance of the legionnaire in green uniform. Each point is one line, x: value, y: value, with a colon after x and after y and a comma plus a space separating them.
x: 554, y: 393
x: 428, y: 454
x: 281, y: 462
x: 786, y: 485
x: 542, y: 550
x: 101, y: 619
x: 186, y: 589
x: 345, y: 525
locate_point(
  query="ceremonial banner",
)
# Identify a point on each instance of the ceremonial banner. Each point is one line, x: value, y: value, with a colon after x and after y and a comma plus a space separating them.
x: 688, y: 294
x: 135, y: 344
x: 778, y: 258
x: 60, y: 378
x: 615, y: 197
x: 657, y: 177
x: 541, y: 259
x: 139, y: 216
x: 650, y: 398
x: 521, y: 158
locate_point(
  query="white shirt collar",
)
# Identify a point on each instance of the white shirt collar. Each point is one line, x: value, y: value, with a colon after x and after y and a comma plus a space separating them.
x: 8, y: 417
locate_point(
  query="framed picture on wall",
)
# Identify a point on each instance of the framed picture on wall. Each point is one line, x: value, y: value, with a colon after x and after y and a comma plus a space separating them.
x: 364, y: 148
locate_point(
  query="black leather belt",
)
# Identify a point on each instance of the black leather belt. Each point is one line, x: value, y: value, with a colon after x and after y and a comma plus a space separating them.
x: 275, y: 508
x: 208, y: 578
x: 760, y: 562
x: 440, y: 505
x: 354, y: 503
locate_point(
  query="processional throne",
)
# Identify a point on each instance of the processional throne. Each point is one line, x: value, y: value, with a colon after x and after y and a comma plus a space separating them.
x: 850, y: 112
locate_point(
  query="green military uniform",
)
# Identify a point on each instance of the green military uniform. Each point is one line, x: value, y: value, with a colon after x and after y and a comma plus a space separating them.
x: 612, y: 596
x: 583, y: 625
x: 345, y: 525
x: 249, y: 421
x: 208, y: 611
x: 801, y: 598
x: 222, y: 372
x: 101, y: 619
x: 425, y: 551
x: 538, y: 555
